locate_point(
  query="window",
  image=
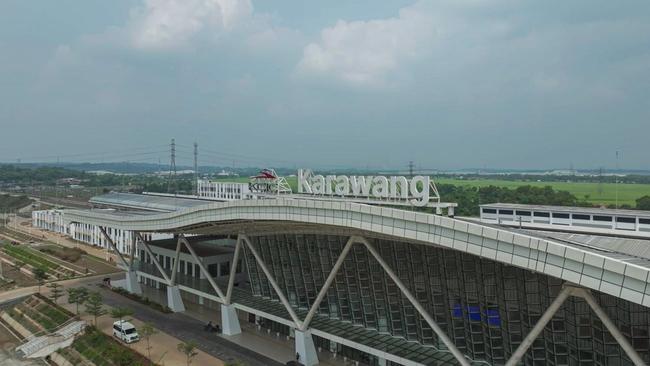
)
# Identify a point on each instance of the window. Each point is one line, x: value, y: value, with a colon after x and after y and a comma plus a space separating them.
x: 644, y: 221
x: 489, y: 211
x: 628, y: 220
x: 541, y: 214
x: 239, y: 266
x: 560, y: 215
x: 523, y: 213
x: 581, y: 217
x: 181, y: 267
x: 197, y: 271
x: 505, y: 212
x: 224, y: 269
x: 213, y: 269
x: 602, y: 218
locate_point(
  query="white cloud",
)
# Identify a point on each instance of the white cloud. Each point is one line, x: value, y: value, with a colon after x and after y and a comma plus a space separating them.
x: 364, y: 52
x: 170, y: 23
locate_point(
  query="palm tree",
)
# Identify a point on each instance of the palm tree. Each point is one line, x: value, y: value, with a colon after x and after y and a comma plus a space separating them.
x: 189, y: 350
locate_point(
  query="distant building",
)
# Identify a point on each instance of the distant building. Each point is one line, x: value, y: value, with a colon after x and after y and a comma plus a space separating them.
x: 223, y: 191
x: 69, y: 181
x: 586, y: 218
x: 53, y: 220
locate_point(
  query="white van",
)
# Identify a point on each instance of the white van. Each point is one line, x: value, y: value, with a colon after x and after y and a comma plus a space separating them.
x: 125, y: 331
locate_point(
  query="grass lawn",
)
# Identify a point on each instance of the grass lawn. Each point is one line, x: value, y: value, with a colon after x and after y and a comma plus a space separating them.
x: 627, y: 193
x: 30, y: 257
x: 103, y: 350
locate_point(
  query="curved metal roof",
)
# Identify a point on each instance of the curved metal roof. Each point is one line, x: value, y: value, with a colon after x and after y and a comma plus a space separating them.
x: 613, y: 273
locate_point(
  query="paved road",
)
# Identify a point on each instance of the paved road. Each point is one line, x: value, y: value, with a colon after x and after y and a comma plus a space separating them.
x: 26, y: 291
x: 186, y: 328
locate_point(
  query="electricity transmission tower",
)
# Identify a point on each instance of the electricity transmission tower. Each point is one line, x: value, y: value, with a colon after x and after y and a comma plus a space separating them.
x: 172, y: 169
x: 196, y: 169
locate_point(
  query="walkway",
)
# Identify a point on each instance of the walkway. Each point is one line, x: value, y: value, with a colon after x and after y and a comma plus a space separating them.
x: 278, y: 348
x: 321, y: 326
x: 187, y: 328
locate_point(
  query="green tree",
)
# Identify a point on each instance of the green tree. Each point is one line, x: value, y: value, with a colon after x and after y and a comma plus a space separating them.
x: 94, y: 305
x: 17, y: 265
x: 146, y: 332
x: 55, y: 291
x: 77, y: 296
x: 40, y: 275
x: 643, y: 203
x: 189, y: 350
x: 120, y: 313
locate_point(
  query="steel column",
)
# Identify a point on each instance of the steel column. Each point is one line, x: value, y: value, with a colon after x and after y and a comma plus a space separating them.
x: 203, y: 270
x: 176, y: 258
x: 460, y: 357
x: 153, y: 258
x: 134, y: 248
x: 112, y: 244
x: 233, y: 270
x: 271, y: 280
x: 328, y: 281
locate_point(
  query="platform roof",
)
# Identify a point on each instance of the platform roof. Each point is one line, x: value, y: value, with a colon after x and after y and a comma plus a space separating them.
x: 145, y: 202
x: 204, y: 246
x: 570, y: 209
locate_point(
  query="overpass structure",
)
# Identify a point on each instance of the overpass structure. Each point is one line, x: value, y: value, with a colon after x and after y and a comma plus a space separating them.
x: 403, y: 287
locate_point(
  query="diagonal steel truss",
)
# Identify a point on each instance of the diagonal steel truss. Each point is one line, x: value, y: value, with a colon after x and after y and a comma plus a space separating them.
x: 242, y: 239
x: 114, y: 247
x: 302, y: 326
x: 569, y: 290
x: 205, y: 272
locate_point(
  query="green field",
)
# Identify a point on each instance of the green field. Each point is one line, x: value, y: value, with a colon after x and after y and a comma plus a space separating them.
x: 11, y: 202
x: 597, y: 193
x: 604, y: 194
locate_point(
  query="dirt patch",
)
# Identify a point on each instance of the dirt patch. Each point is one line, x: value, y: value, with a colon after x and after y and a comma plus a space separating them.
x: 19, y: 278
x: 72, y: 255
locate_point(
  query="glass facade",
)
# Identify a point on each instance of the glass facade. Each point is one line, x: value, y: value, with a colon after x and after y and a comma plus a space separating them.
x: 485, y: 307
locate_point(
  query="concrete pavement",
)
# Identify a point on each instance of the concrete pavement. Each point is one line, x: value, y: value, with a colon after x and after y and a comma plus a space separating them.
x: 26, y: 291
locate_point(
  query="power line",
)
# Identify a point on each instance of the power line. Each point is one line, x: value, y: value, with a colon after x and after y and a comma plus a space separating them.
x: 88, y: 154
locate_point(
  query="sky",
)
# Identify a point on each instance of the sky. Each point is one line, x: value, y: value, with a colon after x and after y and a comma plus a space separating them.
x: 447, y: 84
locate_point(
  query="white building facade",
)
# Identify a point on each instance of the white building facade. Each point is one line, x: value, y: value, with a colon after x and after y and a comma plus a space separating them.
x: 50, y: 220
x: 223, y: 191
x: 559, y: 216
x: 53, y: 220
